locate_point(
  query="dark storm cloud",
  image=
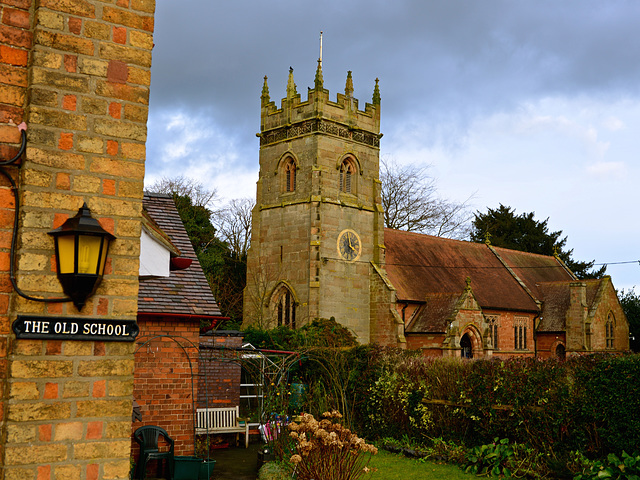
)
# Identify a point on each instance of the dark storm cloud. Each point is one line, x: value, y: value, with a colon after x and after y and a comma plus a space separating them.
x: 536, y: 75
x: 475, y: 52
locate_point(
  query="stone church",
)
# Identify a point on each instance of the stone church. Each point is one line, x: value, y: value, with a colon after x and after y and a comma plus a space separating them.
x: 319, y: 249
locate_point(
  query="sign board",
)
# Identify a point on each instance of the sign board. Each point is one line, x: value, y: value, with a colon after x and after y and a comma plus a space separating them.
x: 70, y: 328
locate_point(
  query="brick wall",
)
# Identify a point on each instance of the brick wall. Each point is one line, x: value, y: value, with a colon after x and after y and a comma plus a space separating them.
x: 220, y: 371
x: 78, y: 73
x: 166, y: 377
x: 14, y: 51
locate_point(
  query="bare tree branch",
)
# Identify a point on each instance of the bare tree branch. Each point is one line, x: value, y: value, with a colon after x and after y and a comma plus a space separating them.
x: 411, y: 203
x: 184, y: 186
x: 233, y: 223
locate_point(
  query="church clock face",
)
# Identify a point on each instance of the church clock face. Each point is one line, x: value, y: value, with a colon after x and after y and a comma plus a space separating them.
x: 349, y: 245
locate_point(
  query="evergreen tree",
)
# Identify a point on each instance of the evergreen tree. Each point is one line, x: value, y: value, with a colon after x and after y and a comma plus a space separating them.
x: 630, y: 302
x: 524, y: 233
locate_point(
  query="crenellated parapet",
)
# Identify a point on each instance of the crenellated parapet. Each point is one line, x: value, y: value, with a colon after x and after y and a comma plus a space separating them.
x: 318, y: 114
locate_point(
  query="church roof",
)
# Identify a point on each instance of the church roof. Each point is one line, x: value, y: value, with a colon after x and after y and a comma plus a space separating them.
x: 185, y: 292
x: 419, y: 266
x: 436, y: 314
x: 557, y: 302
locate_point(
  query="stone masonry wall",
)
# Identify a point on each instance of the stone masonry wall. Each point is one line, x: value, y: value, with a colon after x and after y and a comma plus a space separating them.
x: 78, y: 73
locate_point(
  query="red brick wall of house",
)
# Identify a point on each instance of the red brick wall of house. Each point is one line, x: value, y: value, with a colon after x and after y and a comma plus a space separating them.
x: 165, y: 382
x: 220, y: 371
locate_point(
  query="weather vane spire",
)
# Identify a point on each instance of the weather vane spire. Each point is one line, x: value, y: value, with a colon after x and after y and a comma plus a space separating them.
x: 320, y: 57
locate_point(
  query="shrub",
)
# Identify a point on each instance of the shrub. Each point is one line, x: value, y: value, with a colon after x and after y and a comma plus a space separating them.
x: 328, y: 451
x: 614, y: 468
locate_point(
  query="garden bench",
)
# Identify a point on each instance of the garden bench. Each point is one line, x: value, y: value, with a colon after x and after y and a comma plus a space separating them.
x: 221, y: 420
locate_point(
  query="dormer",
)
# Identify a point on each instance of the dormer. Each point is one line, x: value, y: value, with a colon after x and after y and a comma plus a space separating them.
x: 158, y: 255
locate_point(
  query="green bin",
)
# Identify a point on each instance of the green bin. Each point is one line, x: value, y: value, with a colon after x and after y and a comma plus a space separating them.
x: 206, y: 469
x: 186, y: 468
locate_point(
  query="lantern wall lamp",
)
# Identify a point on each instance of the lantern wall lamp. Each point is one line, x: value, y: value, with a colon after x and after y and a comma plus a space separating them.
x: 81, y: 247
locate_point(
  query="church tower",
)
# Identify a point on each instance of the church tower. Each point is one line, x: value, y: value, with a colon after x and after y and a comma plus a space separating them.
x: 317, y: 231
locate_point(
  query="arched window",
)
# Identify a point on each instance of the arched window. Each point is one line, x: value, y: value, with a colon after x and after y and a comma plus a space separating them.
x: 609, y: 331
x: 285, y: 307
x: 492, y: 320
x: 289, y: 170
x: 347, y: 176
x: 466, y: 347
x: 520, y: 333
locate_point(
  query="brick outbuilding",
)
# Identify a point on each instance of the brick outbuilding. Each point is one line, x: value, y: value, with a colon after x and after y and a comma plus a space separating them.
x: 171, y: 306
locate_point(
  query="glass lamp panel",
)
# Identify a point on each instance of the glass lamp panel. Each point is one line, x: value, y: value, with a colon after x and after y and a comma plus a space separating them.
x: 66, y: 253
x: 88, y: 253
x: 103, y: 256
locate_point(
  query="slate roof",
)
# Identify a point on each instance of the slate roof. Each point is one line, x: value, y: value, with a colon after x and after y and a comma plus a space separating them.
x: 556, y: 304
x: 420, y: 266
x: 184, y: 292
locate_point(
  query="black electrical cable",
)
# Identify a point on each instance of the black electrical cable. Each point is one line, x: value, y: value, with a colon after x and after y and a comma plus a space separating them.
x: 14, y: 236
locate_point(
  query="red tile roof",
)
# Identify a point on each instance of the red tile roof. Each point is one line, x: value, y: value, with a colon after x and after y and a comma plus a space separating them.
x: 421, y: 265
x: 184, y: 292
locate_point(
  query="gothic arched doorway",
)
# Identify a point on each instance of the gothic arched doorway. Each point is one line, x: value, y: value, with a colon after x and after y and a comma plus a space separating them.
x: 466, y: 347
x: 561, y: 352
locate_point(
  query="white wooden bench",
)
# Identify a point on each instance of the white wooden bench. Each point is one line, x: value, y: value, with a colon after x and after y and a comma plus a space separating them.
x: 221, y: 420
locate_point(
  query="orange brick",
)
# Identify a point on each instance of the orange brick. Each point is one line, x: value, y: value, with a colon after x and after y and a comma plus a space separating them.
x: 66, y: 141
x: 75, y: 25
x: 50, y: 391
x: 54, y: 347
x: 115, y: 109
x: 63, y: 181
x: 44, y: 433
x: 120, y: 35
x: 13, y: 56
x: 16, y: 18
x: 99, y: 388
x: 44, y: 472
x: 71, y: 63
x: 123, y: 3
x: 94, y: 430
x: 54, y: 308
x: 69, y: 102
x: 99, y: 349
x: 92, y: 471
x: 107, y: 224
x: 109, y: 187
x: 4, y: 261
x: 112, y: 147
x: 59, y: 219
x: 103, y: 306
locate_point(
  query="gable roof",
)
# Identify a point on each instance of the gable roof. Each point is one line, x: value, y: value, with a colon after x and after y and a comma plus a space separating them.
x: 436, y: 314
x: 184, y: 292
x: 557, y: 300
x: 421, y: 265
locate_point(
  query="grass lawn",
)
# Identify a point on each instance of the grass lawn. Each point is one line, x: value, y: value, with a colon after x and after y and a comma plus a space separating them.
x: 391, y: 466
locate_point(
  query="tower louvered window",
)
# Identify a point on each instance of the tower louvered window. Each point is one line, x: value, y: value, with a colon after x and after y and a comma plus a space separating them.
x: 289, y: 175
x: 346, y: 177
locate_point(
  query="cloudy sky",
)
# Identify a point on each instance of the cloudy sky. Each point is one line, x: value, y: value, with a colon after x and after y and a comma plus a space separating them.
x: 534, y: 104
